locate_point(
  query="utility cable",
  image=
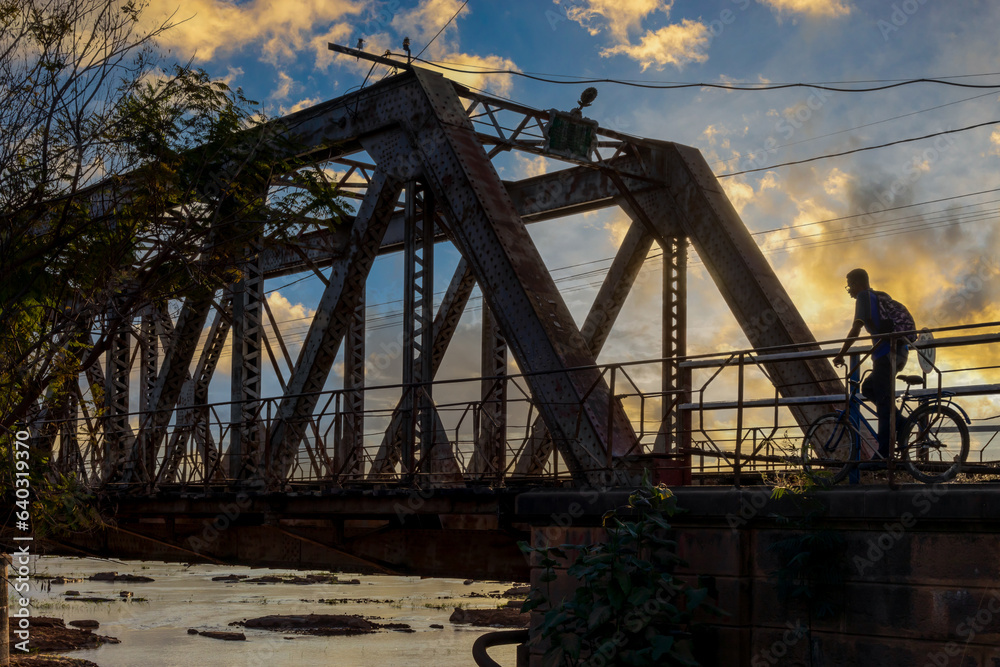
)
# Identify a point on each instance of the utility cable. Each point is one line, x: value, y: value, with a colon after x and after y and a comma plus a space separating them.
x: 417, y: 57
x: 721, y: 86
x: 859, y: 150
x: 858, y: 127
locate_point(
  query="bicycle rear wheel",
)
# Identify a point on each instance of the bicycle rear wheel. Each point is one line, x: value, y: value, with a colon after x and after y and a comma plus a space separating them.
x: 935, y: 443
x: 829, y: 450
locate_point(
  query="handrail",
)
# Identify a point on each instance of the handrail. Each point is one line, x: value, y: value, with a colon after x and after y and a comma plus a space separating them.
x: 491, y: 639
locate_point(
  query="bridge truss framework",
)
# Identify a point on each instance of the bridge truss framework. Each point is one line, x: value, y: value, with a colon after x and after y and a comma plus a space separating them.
x: 416, y: 151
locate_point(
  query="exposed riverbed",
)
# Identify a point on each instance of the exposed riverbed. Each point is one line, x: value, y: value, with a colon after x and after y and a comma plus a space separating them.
x: 153, y: 624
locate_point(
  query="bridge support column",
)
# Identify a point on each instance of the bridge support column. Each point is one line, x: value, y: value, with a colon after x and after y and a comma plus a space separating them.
x: 117, y: 432
x: 489, y: 461
x: 349, y: 450
x: 246, y: 433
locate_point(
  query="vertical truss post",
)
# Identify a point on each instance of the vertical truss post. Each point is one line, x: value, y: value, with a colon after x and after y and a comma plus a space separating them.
x: 488, y: 459
x: 674, y: 379
x: 246, y: 432
x: 418, y: 329
x: 148, y: 356
x: 116, y: 390
x: 349, y: 457
x: 424, y: 320
x: 407, y: 450
x: 69, y: 446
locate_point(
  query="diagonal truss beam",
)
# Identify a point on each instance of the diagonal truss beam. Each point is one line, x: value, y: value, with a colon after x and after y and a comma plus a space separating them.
x: 169, y: 381
x: 693, y: 197
x: 596, y: 328
x: 589, y: 427
x: 330, y: 324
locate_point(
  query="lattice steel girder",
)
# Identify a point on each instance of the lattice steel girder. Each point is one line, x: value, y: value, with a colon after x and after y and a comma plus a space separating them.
x: 246, y: 433
x: 349, y: 449
x: 552, y: 195
x: 173, y: 372
x: 489, y: 456
x: 693, y: 196
x: 590, y: 428
x: 327, y: 329
x: 596, y: 328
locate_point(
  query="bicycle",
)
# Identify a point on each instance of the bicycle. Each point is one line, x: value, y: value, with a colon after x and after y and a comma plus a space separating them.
x: 934, y: 438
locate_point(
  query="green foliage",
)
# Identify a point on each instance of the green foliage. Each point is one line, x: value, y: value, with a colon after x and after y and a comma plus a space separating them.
x: 629, y: 608
x: 58, y: 504
x: 811, y: 559
x: 124, y: 185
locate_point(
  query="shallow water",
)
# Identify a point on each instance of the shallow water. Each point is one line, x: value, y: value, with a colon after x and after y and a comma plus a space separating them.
x: 154, y: 633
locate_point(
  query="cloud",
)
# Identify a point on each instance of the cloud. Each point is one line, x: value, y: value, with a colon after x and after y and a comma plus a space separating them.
x: 423, y: 22
x: 995, y: 143
x: 476, y: 77
x: 814, y: 8
x: 279, y: 30
x: 300, y: 105
x: 677, y: 44
x: 620, y: 16
x: 284, y: 88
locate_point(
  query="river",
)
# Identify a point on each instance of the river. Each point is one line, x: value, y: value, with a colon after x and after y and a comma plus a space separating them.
x: 153, y: 632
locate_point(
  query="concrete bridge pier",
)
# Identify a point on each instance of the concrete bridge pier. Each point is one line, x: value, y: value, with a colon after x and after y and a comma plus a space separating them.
x: 877, y: 577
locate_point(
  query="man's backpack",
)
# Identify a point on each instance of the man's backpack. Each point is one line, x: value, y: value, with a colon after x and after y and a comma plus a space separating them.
x: 894, y: 312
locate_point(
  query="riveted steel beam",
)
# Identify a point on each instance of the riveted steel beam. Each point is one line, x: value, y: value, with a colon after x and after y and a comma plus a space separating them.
x: 596, y: 328
x: 589, y: 427
x: 330, y: 323
x: 693, y: 197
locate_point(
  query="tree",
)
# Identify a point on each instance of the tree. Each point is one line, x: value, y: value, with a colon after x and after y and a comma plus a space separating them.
x: 123, y: 185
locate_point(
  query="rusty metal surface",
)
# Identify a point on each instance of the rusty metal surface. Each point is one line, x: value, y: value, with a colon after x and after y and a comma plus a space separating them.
x: 601, y: 318
x: 418, y: 127
x: 529, y: 309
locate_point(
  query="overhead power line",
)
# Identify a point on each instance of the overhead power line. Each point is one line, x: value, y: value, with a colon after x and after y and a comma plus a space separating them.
x: 858, y: 127
x: 722, y: 86
x: 442, y: 29
x: 859, y: 150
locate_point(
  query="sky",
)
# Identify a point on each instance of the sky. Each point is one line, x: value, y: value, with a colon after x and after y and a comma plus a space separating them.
x: 937, y: 252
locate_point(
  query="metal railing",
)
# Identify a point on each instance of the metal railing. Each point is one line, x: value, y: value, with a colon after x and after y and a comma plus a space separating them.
x: 718, y: 436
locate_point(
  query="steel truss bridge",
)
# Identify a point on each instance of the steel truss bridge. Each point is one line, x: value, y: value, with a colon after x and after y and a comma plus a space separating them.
x: 416, y: 152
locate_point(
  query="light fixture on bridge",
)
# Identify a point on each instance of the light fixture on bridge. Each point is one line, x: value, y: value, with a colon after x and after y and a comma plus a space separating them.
x: 570, y: 134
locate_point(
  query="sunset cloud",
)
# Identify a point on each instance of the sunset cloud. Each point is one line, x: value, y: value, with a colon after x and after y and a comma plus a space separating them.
x: 814, y: 8
x: 619, y: 17
x: 279, y: 30
x: 677, y: 44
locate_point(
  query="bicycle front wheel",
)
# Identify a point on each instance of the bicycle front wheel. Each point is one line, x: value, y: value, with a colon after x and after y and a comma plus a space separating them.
x: 935, y: 443
x: 829, y: 450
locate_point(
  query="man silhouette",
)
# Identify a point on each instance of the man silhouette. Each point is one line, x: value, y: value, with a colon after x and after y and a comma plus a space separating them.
x: 879, y: 387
